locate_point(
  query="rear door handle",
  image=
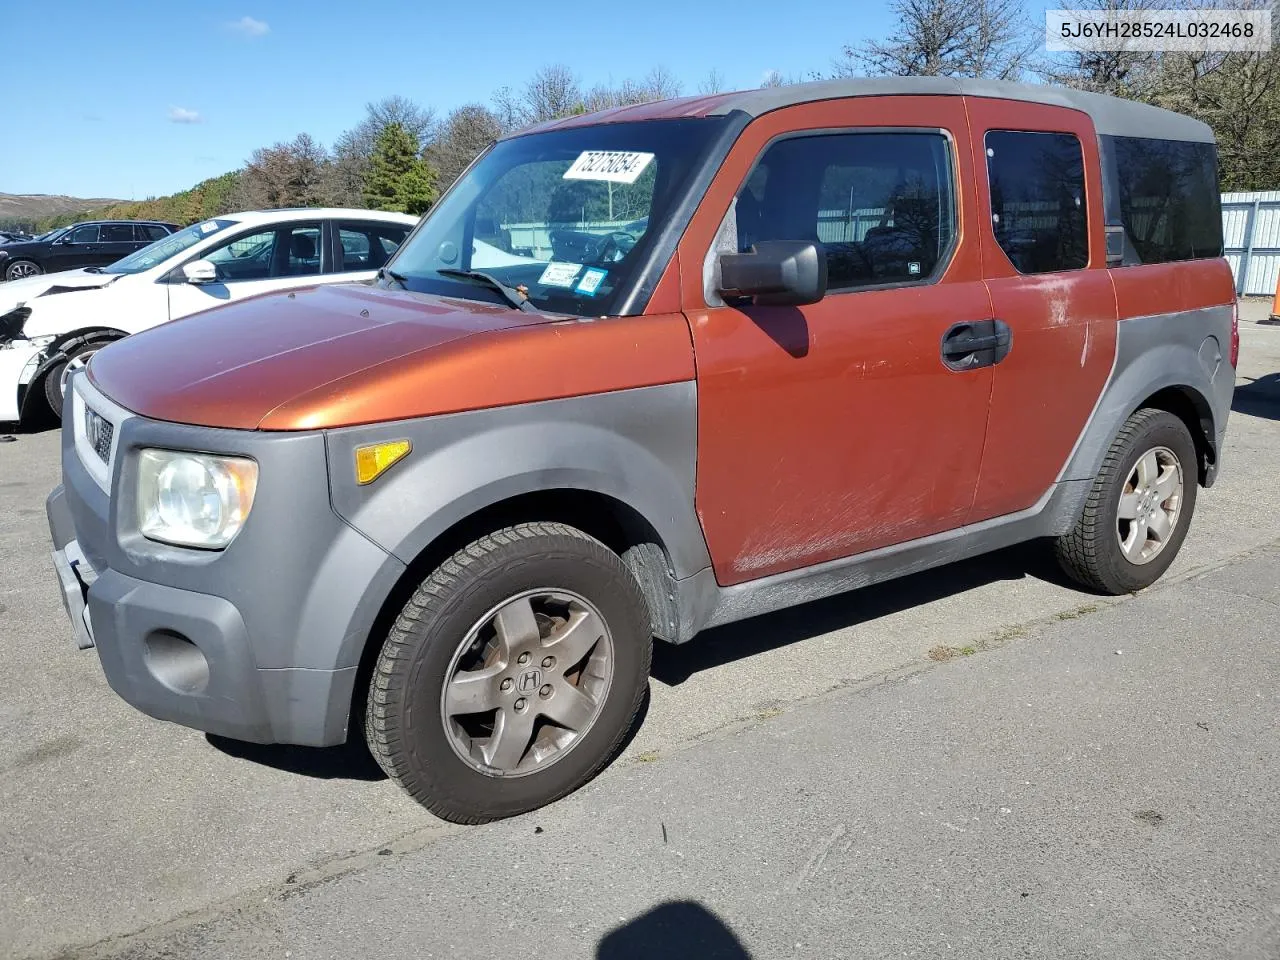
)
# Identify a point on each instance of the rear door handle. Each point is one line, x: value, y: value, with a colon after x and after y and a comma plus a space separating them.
x: 976, y: 343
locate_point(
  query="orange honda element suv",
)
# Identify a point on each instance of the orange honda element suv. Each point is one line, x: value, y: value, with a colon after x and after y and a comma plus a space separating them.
x: 637, y: 374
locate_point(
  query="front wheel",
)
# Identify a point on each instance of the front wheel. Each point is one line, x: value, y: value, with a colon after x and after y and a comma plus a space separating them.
x: 1139, y: 509
x: 19, y: 269
x: 512, y: 675
x: 56, y: 377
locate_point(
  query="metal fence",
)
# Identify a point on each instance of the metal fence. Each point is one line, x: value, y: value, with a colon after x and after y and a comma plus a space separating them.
x: 1251, y: 233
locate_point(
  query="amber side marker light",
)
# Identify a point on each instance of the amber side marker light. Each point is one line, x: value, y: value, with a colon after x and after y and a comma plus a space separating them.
x: 373, y: 461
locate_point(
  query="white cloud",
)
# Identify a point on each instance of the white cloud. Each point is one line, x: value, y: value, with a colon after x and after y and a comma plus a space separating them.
x: 249, y: 27
x: 183, y: 115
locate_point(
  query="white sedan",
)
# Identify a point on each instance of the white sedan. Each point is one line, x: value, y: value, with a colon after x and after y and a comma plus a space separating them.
x: 51, y: 324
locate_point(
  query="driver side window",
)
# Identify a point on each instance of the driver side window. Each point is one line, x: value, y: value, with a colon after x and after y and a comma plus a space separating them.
x: 290, y: 251
x: 880, y: 205
x: 87, y: 234
x: 246, y: 257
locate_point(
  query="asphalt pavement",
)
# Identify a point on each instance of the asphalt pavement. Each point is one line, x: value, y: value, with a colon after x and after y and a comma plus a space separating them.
x: 956, y: 763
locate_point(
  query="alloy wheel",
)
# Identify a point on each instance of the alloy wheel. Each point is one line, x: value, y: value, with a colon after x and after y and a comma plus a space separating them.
x: 1150, y: 505
x: 527, y: 682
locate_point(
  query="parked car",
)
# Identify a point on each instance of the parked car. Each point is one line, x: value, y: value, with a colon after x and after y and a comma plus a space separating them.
x: 91, y: 244
x: 50, y: 325
x: 858, y: 329
x: 13, y: 236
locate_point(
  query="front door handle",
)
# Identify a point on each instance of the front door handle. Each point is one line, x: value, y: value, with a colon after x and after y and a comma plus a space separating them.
x: 973, y: 344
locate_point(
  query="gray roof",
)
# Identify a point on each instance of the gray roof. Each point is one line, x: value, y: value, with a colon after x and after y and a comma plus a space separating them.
x: 1111, y: 115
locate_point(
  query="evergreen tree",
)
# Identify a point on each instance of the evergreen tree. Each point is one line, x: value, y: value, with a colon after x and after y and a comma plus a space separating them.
x: 398, y: 178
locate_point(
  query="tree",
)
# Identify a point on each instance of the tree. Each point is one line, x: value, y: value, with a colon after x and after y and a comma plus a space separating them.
x: 948, y: 38
x: 398, y: 178
x: 294, y: 174
x: 713, y: 82
x: 353, y: 150
x: 1236, y: 93
x: 464, y: 133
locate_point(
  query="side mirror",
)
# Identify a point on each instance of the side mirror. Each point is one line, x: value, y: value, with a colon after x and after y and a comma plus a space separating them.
x: 200, y: 271
x: 777, y: 273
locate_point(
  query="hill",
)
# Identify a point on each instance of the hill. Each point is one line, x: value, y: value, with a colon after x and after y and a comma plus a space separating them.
x: 32, y: 208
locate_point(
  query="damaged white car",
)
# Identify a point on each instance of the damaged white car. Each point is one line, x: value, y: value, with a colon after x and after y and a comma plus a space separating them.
x: 51, y: 324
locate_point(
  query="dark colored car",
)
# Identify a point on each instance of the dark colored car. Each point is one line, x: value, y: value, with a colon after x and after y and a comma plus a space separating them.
x: 94, y: 243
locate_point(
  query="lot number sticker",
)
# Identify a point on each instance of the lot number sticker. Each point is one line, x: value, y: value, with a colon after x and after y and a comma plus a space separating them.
x: 559, y: 274
x: 616, y: 166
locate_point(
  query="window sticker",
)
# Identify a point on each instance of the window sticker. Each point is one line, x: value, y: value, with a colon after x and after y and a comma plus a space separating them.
x: 591, y: 281
x: 616, y: 166
x: 208, y: 227
x: 559, y: 274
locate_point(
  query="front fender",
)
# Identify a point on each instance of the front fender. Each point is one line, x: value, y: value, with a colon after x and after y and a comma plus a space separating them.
x: 637, y: 446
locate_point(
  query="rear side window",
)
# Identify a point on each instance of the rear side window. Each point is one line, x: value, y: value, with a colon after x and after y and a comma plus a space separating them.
x: 151, y: 232
x: 1038, y: 209
x: 117, y: 233
x: 367, y: 246
x: 1168, y: 196
x: 880, y: 204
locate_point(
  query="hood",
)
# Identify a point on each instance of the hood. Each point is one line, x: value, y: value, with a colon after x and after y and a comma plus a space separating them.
x: 233, y: 365
x: 15, y: 292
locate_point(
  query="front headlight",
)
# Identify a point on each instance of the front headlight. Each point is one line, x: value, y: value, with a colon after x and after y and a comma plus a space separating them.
x: 194, y: 499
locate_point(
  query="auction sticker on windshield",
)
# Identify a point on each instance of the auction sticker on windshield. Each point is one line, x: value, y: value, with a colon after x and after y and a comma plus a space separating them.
x: 559, y: 274
x: 617, y: 166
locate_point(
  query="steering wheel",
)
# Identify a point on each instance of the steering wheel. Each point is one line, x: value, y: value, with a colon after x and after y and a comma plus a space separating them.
x: 614, y: 247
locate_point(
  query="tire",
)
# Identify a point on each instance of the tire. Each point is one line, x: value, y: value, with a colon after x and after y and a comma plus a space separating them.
x: 22, y: 268
x: 440, y: 754
x: 1094, y: 552
x: 77, y: 355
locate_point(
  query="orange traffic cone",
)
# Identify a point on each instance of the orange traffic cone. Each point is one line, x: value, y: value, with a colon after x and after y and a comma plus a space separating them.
x: 1275, y: 305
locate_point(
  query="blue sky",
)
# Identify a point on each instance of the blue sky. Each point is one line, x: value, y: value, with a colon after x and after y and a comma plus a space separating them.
x: 144, y: 98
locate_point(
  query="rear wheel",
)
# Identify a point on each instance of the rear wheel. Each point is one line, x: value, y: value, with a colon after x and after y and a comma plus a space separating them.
x: 512, y: 675
x: 19, y: 269
x: 56, y: 377
x: 1139, y: 509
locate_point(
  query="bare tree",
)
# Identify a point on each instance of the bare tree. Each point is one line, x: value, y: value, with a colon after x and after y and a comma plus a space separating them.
x: 713, y: 82
x: 293, y: 174
x: 951, y: 38
x: 552, y: 92
x: 1124, y: 73
x: 464, y: 133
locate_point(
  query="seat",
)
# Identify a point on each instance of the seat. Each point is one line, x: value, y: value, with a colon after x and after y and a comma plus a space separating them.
x: 302, y: 254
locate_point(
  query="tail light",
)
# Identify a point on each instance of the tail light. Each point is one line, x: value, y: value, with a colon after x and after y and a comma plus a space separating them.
x: 1235, y: 335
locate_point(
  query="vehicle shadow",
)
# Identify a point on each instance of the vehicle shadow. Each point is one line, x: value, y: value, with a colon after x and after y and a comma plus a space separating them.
x: 1259, y: 397
x: 352, y: 760
x: 677, y: 930
x: 674, y: 664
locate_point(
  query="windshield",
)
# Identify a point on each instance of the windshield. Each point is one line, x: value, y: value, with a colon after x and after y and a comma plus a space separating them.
x: 566, y: 216
x: 53, y: 234
x: 170, y: 246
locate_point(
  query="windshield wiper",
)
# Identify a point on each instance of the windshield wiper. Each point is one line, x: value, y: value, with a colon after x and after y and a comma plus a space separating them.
x: 514, y: 297
x: 398, y: 278
x: 92, y: 269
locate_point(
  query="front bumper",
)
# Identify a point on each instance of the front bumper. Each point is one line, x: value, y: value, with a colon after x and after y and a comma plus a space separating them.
x: 260, y: 642
x: 186, y: 657
x: 18, y: 364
